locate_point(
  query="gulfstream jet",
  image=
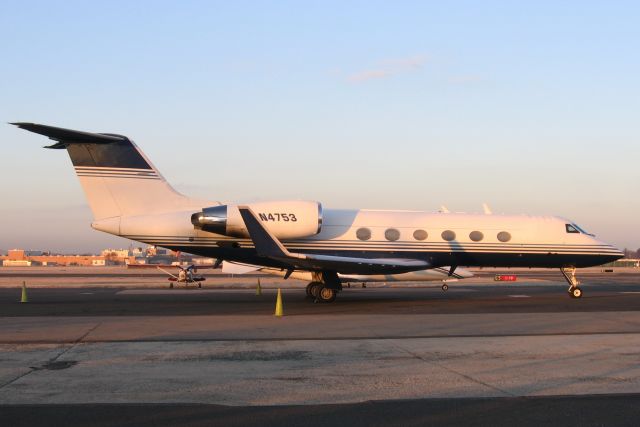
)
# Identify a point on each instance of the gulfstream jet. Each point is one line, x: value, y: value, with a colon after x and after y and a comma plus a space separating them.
x: 130, y: 198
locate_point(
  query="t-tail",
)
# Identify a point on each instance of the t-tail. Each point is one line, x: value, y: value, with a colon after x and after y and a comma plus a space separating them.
x: 117, y: 178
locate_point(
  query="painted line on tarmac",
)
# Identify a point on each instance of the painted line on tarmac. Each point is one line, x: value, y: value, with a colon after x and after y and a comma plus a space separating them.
x: 519, y: 296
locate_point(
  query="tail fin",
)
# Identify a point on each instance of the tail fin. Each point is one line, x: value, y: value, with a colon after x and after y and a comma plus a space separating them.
x: 115, y: 175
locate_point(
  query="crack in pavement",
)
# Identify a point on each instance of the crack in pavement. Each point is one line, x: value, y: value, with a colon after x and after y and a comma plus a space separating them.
x: 453, y: 371
x: 53, y: 359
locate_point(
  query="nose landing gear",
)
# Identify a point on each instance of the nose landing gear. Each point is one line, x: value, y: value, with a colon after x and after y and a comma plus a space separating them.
x: 569, y: 274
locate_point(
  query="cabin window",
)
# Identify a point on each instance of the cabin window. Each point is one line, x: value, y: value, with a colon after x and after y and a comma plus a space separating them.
x: 504, y: 236
x: 420, y: 235
x: 476, y: 236
x: 448, y: 235
x: 392, y: 234
x: 363, y: 234
x: 571, y: 229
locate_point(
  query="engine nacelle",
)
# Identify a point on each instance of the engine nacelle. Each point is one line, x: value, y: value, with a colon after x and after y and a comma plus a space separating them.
x: 287, y: 219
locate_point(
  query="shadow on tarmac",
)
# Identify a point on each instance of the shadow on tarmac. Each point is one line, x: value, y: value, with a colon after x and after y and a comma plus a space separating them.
x: 592, y: 410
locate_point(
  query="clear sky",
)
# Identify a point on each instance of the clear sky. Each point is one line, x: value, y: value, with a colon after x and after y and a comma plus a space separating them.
x: 531, y: 107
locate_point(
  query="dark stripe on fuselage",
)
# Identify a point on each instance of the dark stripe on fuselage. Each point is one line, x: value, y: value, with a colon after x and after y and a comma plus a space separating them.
x: 377, y: 243
x: 436, y: 259
x: 573, y: 249
x: 371, y: 243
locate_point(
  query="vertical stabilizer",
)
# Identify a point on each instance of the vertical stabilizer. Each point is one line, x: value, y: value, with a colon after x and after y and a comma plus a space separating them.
x: 115, y: 175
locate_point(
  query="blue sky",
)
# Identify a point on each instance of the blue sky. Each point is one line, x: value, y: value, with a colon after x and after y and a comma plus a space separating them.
x: 530, y: 107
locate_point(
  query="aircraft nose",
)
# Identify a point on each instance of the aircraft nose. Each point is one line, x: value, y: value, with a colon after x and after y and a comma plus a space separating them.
x: 611, y: 250
x: 618, y: 252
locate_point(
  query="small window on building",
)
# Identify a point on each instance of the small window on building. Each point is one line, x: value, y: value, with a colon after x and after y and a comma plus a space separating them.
x: 504, y: 236
x: 420, y: 235
x: 476, y: 236
x: 392, y: 234
x: 448, y: 235
x: 571, y: 229
x: 363, y: 234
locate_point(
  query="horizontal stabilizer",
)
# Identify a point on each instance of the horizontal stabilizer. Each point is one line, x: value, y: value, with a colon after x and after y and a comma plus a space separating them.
x: 69, y: 136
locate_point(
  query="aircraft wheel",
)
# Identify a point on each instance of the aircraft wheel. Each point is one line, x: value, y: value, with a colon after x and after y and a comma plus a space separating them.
x: 170, y: 285
x: 326, y: 294
x: 445, y: 287
x: 312, y: 289
x: 199, y: 285
x: 576, y: 293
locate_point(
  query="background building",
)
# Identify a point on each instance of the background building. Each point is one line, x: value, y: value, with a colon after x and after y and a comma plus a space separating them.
x: 21, y: 258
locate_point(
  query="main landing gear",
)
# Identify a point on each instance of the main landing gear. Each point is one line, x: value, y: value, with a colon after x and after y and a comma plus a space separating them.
x: 324, y: 287
x: 445, y: 287
x: 321, y: 293
x: 569, y: 274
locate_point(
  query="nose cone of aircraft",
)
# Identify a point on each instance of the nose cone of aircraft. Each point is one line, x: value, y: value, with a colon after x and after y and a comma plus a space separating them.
x: 611, y: 252
x: 618, y: 253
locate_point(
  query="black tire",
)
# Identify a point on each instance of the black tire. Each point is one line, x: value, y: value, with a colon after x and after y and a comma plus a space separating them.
x: 326, y: 294
x: 445, y: 287
x: 576, y: 293
x: 309, y: 289
x: 315, y: 290
x: 171, y: 285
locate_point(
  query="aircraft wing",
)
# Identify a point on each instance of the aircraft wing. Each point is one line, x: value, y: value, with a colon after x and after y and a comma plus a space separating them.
x: 269, y: 246
x: 238, y: 268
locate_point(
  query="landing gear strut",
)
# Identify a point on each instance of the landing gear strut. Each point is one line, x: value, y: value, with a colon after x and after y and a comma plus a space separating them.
x: 569, y: 274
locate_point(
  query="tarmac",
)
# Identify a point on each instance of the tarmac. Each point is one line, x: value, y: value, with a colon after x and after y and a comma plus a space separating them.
x: 115, y: 347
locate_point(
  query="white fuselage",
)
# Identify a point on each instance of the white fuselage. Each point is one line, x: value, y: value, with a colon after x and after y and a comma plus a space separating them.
x: 444, y: 238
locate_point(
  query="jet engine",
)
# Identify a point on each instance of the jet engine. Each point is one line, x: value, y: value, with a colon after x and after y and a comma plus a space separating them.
x: 287, y: 219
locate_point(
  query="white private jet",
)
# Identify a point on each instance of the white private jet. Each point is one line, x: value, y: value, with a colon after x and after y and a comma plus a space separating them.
x: 130, y: 198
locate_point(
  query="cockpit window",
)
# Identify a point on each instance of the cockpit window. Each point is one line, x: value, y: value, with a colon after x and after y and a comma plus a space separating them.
x: 574, y: 228
x: 571, y: 228
x: 580, y: 229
